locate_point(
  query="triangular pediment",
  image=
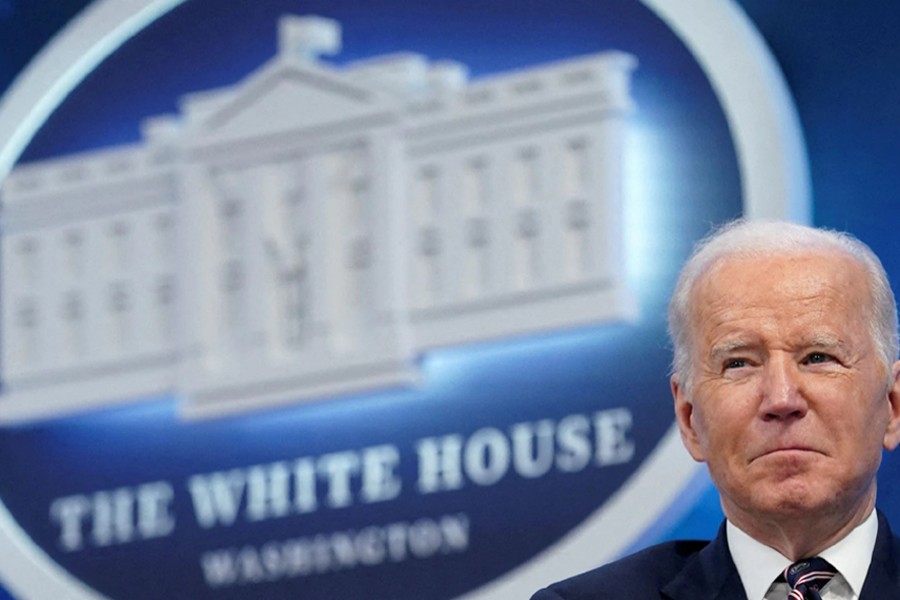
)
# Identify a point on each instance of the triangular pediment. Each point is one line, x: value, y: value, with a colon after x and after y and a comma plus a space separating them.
x: 281, y: 97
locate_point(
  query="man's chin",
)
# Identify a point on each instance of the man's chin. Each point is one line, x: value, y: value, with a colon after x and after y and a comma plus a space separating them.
x: 798, y: 502
x: 791, y: 498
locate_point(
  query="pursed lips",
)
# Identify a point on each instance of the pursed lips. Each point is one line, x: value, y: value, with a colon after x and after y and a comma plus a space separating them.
x: 787, y: 449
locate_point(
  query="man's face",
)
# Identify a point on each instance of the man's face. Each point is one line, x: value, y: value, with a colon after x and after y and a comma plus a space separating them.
x: 790, y: 402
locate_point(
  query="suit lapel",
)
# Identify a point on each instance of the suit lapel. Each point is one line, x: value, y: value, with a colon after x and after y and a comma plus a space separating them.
x: 883, y: 579
x: 710, y: 575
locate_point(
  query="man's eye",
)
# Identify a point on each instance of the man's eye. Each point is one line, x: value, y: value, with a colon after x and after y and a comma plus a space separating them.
x: 817, y: 358
x: 735, y: 363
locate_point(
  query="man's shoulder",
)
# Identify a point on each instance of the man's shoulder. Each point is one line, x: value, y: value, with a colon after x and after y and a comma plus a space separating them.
x: 638, y: 575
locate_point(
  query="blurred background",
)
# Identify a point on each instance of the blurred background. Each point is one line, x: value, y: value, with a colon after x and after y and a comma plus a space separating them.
x: 681, y: 176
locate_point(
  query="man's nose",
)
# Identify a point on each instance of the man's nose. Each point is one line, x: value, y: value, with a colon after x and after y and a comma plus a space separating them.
x: 782, y: 396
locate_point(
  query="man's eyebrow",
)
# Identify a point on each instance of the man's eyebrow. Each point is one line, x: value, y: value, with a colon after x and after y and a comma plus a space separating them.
x: 827, y: 340
x: 728, y: 347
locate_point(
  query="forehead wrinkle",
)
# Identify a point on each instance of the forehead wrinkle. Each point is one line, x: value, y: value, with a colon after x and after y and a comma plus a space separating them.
x: 791, y: 312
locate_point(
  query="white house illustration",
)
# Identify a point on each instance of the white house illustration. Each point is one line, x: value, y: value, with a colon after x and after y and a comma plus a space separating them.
x: 312, y: 230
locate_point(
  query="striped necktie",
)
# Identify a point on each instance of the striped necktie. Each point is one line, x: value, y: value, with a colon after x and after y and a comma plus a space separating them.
x: 807, y: 576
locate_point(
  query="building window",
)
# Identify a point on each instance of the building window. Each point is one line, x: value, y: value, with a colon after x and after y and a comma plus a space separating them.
x: 121, y: 242
x: 475, y: 188
x: 73, y: 322
x: 575, y: 168
x: 527, y: 246
x: 27, y: 326
x: 477, y: 250
x: 119, y: 298
x: 231, y: 212
x: 164, y: 237
x: 74, y: 253
x: 526, y: 177
x: 427, y: 233
x: 577, y: 232
x: 233, y: 288
x: 164, y: 305
x: 29, y: 262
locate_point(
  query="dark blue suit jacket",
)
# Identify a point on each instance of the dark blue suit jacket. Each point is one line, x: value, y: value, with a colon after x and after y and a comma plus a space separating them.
x: 704, y: 570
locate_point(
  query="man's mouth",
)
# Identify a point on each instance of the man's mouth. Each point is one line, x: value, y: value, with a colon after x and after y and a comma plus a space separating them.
x: 787, y: 450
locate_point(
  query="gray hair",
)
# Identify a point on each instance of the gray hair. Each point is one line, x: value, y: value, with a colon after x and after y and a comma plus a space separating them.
x: 751, y: 239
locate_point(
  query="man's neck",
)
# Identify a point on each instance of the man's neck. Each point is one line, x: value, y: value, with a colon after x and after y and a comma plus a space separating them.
x: 804, y: 534
x: 757, y: 564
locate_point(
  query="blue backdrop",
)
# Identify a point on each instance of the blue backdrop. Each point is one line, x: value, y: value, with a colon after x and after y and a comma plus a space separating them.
x: 840, y: 65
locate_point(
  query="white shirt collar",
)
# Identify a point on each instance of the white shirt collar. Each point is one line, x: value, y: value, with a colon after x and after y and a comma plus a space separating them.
x: 759, y: 565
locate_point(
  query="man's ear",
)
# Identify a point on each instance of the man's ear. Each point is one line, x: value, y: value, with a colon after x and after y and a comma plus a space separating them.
x: 684, y: 415
x: 892, y: 434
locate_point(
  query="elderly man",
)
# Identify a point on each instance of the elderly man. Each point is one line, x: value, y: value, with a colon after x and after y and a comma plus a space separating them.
x: 786, y: 385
